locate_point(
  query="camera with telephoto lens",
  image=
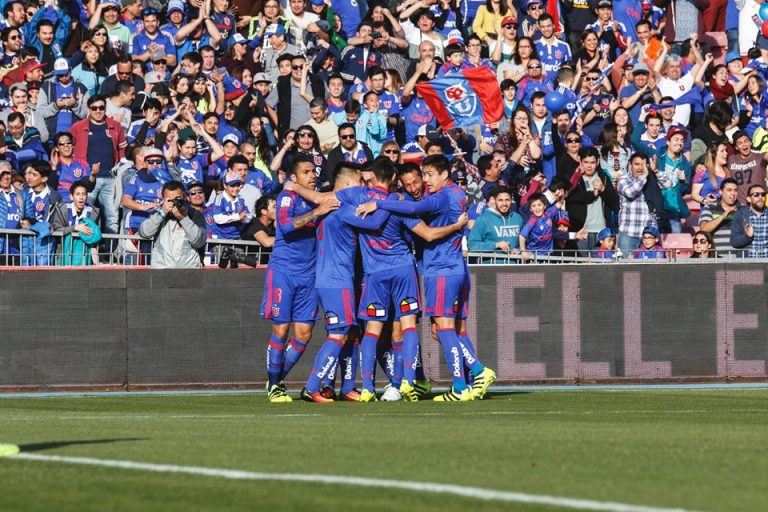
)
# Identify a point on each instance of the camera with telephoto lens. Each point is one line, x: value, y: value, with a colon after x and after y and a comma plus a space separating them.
x: 180, y: 204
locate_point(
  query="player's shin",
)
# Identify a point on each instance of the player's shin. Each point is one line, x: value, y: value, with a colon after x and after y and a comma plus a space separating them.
x: 325, y: 361
x: 349, y: 358
x: 452, y: 348
x: 368, y: 359
x: 410, y: 353
x: 469, y: 354
x: 275, y: 360
x: 293, y: 353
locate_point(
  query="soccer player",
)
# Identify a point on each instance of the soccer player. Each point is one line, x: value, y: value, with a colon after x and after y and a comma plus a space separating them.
x: 446, y: 277
x: 391, y: 284
x: 335, y: 285
x: 289, y: 289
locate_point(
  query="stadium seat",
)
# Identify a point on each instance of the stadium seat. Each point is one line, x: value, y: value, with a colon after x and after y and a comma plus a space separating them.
x: 677, y: 244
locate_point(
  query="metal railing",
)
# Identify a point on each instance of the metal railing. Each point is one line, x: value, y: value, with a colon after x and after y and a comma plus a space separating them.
x: 112, y: 250
x: 132, y: 250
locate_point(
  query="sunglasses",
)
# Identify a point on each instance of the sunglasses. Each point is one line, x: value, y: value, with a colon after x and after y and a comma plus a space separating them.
x: 229, y: 107
x: 98, y: 108
x: 534, y: 66
x: 346, y: 137
x: 104, y: 34
x: 700, y: 241
x: 392, y: 152
x: 509, y: 25
x: 154, y: 161
x: 535, y: 7
x: 296, y: 67
x: 572, y: 141
x: 757, y: 194
x: 304, y: 134
x: 68, y: 143
x: 196, y: 192
x: 590, y: 78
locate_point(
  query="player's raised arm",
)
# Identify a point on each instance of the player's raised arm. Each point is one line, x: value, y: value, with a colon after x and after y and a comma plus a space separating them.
x: 431, y: 234
x: 308, y: 194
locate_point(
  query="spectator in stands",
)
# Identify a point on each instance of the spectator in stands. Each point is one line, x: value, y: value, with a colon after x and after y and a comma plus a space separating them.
x: 608, y: 249
x: 119, y: 103
x: 178, y: 231
x: 19, y: 96
x: 746, y: 166
x: 10, y: 218
x: 716, y: 218
x: 349, y: 148
x: 709, y: 176
x: 750, y: 225
x: 78, y: 221
x: 593, y: 202
x: 650, y: 248
x: 38, y: 200
x: 230, y: 213
x: 262, y: 227
x: 704, y: 246
x: 100, y: 140
x: 124, y: 71
x: 23, y: 140
x: 498, y: 227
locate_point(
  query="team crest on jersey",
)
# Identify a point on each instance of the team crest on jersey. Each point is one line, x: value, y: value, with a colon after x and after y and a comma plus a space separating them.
x: 77, y: 172
x: 18, y: 201
x: 194, y: 164
x: 209, y: 220
x: 275, y: 311
x: 40, y: 206
x: 318, y: 160
x: 376, y: 310
x: 408, y: 304
x: 285, y: 201
x: 331, y: 318
x: 606, y: 101
x: 558, y: 54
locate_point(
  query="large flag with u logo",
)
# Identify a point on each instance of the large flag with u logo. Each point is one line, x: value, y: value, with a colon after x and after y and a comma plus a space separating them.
x: 470, y: 97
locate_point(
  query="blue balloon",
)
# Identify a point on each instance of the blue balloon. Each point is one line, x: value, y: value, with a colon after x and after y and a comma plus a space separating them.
x: 554, y: 101
x: 763, y: 12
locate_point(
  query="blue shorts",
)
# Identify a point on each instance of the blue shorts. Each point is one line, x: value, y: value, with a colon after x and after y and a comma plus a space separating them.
x: 339, y: 309
x: 288, y: 298
x: 390, y: 295
x: 447, y: 296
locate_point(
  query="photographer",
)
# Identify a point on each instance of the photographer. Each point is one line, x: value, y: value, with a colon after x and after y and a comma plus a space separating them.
x: 178, y: 231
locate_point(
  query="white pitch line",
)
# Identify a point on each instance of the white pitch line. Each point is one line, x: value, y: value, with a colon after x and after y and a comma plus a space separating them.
x: 428, y: 487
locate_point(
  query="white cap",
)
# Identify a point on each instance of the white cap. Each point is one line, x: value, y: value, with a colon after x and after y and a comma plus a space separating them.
x: 61, y: 66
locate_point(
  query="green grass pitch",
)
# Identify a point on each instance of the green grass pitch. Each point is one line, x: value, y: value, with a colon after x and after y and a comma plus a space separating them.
x: 704, y: 450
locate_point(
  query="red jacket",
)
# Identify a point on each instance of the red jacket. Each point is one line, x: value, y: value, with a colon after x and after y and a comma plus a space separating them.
x: 79, y: 132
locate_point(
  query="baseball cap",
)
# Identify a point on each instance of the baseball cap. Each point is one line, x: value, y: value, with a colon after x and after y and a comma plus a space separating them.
x: 652, y: 230
x: 317, y: 2
x: 605, y: 233
x: 532, y: 2
x: 61, y: 67
x: 231, y: 138
x: 604, y: 3
x: 676, y: 130
x: 153, y: 77
x: 232, y: 179
x: 18, y: 86
x: 238, y: 38
x: 508, y: 19
x: 762, y: 42
x: 640, y: 68
x: 274, y: 29
x: 156, y: 55
x: 427, y: 131
x: 732, y: 56
x: 175, y: 5
x: 153, y: 152
x: 261, y: 77
x: 109, y: 4
x: 458, y: 175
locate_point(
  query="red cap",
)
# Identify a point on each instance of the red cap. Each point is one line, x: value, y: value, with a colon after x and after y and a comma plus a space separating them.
x: 508, y: 19
x: 675, y: 130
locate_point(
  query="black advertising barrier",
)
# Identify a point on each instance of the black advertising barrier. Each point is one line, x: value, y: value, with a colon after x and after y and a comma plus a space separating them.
x: 144, y: 328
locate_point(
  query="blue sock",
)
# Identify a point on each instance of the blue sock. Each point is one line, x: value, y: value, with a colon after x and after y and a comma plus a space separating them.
x: 419, y: 366
x: 386, y: 359
x: 470, y: 354
x: 275, y: 359
x: 450, y: 342
x: 397, y: 357
x: 348, y: 361
x: 293, y: 353
x: 368, y: 360
x: 410, y: 353
x: 330, y: 379
x: 326, y: 359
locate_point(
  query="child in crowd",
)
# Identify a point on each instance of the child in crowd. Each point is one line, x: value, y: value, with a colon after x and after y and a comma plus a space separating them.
x: 650, y: 248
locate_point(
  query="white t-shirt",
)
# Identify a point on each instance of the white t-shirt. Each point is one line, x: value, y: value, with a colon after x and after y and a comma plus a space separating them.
x: 415, y: 37
x: 298, y: 26
x: 675, y: 89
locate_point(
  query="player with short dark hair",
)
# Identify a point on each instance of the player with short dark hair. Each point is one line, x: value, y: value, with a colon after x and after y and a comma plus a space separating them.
x: 446, y: 277
x: 289, y: 288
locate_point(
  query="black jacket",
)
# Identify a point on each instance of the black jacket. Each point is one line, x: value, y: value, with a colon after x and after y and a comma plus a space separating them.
x: 580, y: 198
x: 284, y: 100
x: 336, y: 155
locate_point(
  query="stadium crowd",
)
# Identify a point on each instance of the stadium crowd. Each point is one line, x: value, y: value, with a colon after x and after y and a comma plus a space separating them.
x: 620, y: 126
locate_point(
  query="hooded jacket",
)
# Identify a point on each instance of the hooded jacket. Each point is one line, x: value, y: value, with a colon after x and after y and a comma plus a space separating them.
x: 492, y: 227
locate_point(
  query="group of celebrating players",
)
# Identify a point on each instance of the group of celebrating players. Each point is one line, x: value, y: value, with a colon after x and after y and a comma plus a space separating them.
x: 315, y: 259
